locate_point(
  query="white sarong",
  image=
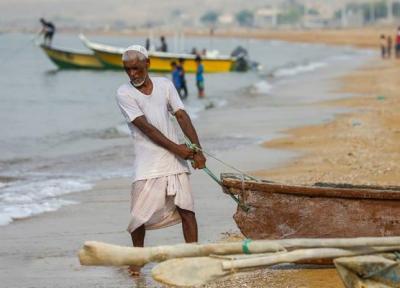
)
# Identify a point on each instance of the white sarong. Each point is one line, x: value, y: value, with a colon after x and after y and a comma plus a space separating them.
x: 154, y: 201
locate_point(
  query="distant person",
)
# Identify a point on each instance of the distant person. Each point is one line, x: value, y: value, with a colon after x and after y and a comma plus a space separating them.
x: 398, y: 43
x: 204, y: 52
x: 200, y: 77
x: 147, y: 44
x: 48, y: 30
x: 389, y: 47
x: 164, y: 46
x: 194, y: 51
x: 383, y: 46
x: 183, y: 90
x: 176, y: 77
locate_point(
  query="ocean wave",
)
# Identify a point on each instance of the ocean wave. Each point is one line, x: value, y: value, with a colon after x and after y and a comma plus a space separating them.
x: 298, y: 69
x: 10, y: 213
x: 261, y: 87
x: 27, y: 198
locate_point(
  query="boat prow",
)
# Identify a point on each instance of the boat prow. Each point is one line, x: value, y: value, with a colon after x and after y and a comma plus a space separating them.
x: 69, y: 59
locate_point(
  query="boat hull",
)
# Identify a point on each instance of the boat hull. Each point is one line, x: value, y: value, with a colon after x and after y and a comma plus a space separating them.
x: 282, y: 211
x: 64, y: 59
x: 163, y: 64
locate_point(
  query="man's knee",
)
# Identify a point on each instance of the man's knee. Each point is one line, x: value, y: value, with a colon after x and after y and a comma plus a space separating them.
x: 186, y: 214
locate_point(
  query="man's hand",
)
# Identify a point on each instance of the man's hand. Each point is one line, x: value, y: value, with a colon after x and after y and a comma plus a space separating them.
x: 199, y: 161
x: 184, y: 152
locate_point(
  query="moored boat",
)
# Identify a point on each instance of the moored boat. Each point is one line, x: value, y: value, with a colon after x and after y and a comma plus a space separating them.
x: 110, y: 56
x: 277, y: 211
x: 68, y: 59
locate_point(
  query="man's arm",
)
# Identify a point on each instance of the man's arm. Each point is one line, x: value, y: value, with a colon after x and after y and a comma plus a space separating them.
x: 189, y: 131
x: 157, y: 137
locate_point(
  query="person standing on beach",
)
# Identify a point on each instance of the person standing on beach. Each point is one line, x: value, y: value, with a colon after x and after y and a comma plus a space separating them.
x: 164, y: 46
x: 183, y: 91
x: 161, y: 194
x: 199, y: 76
x: 48, y: 30
x: 389, y: 47
x: 398, y: 43
x: 383, y: 46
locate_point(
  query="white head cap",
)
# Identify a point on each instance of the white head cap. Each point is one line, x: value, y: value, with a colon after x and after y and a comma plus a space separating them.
x: 136, y: 48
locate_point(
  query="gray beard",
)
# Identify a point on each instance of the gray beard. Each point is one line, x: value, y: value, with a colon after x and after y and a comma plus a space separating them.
x: 137, y: 85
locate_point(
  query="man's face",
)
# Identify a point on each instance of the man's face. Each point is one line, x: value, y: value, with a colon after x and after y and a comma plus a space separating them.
x: 137, y: 71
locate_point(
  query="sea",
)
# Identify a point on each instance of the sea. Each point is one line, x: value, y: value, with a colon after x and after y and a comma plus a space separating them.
x: 61, y: 131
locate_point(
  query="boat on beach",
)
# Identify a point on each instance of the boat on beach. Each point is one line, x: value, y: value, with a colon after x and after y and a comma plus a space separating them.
x: 323, y: 210
x: 69, y: 59
x: 110, y: 57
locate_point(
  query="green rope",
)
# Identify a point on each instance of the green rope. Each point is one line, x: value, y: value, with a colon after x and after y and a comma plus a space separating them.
x: 245, y: 246
x: 196, y: 148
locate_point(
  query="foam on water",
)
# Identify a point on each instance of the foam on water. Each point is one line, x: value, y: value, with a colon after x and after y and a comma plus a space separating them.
x: 27, y: 198
x: 298, y: 69
x: 261, y: 87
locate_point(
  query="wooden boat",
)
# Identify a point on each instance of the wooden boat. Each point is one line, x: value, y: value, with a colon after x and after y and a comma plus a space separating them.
x: 277, y: 211
x: 110, y: 56
x: 68, y: 59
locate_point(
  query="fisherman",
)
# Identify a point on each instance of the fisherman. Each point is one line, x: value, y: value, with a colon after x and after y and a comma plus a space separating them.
x: 161, y: 194
x: 48, y: 30
x: 199, y: 76
x: 183, y: 91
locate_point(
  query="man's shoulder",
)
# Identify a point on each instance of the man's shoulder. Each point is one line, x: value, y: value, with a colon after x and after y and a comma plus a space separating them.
x: 123, y: 89
x: 161, y: 81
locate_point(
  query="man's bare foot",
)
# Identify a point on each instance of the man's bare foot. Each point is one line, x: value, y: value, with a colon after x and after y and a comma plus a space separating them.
x: 134, y: 270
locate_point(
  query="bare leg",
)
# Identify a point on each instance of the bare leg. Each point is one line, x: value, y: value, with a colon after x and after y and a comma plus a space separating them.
x: 189, y: 225
x: 137, y: 241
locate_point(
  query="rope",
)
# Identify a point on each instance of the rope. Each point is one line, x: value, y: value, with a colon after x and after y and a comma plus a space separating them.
x: 196, y: 148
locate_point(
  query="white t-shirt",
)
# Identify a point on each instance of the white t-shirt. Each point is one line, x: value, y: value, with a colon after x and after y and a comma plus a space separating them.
x: 152, y: 160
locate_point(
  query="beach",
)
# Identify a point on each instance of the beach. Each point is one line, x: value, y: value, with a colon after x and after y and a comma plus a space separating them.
x: 348, y: 133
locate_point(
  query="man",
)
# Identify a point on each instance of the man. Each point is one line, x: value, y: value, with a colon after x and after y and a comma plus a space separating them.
x: 161, y: 194
x: 183, y: 91
x: 199, y: 77
x: 48, y: 30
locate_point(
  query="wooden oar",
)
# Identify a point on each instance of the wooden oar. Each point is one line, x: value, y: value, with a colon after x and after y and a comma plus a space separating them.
x: 97, y: 253
x: 201, y: 270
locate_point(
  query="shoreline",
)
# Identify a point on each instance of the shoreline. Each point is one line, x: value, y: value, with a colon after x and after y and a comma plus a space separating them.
x: 359, y: 147
x: 365, y: 37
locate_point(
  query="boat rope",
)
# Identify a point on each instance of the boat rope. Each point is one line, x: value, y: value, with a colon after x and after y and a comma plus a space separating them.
x: 196, y: 148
